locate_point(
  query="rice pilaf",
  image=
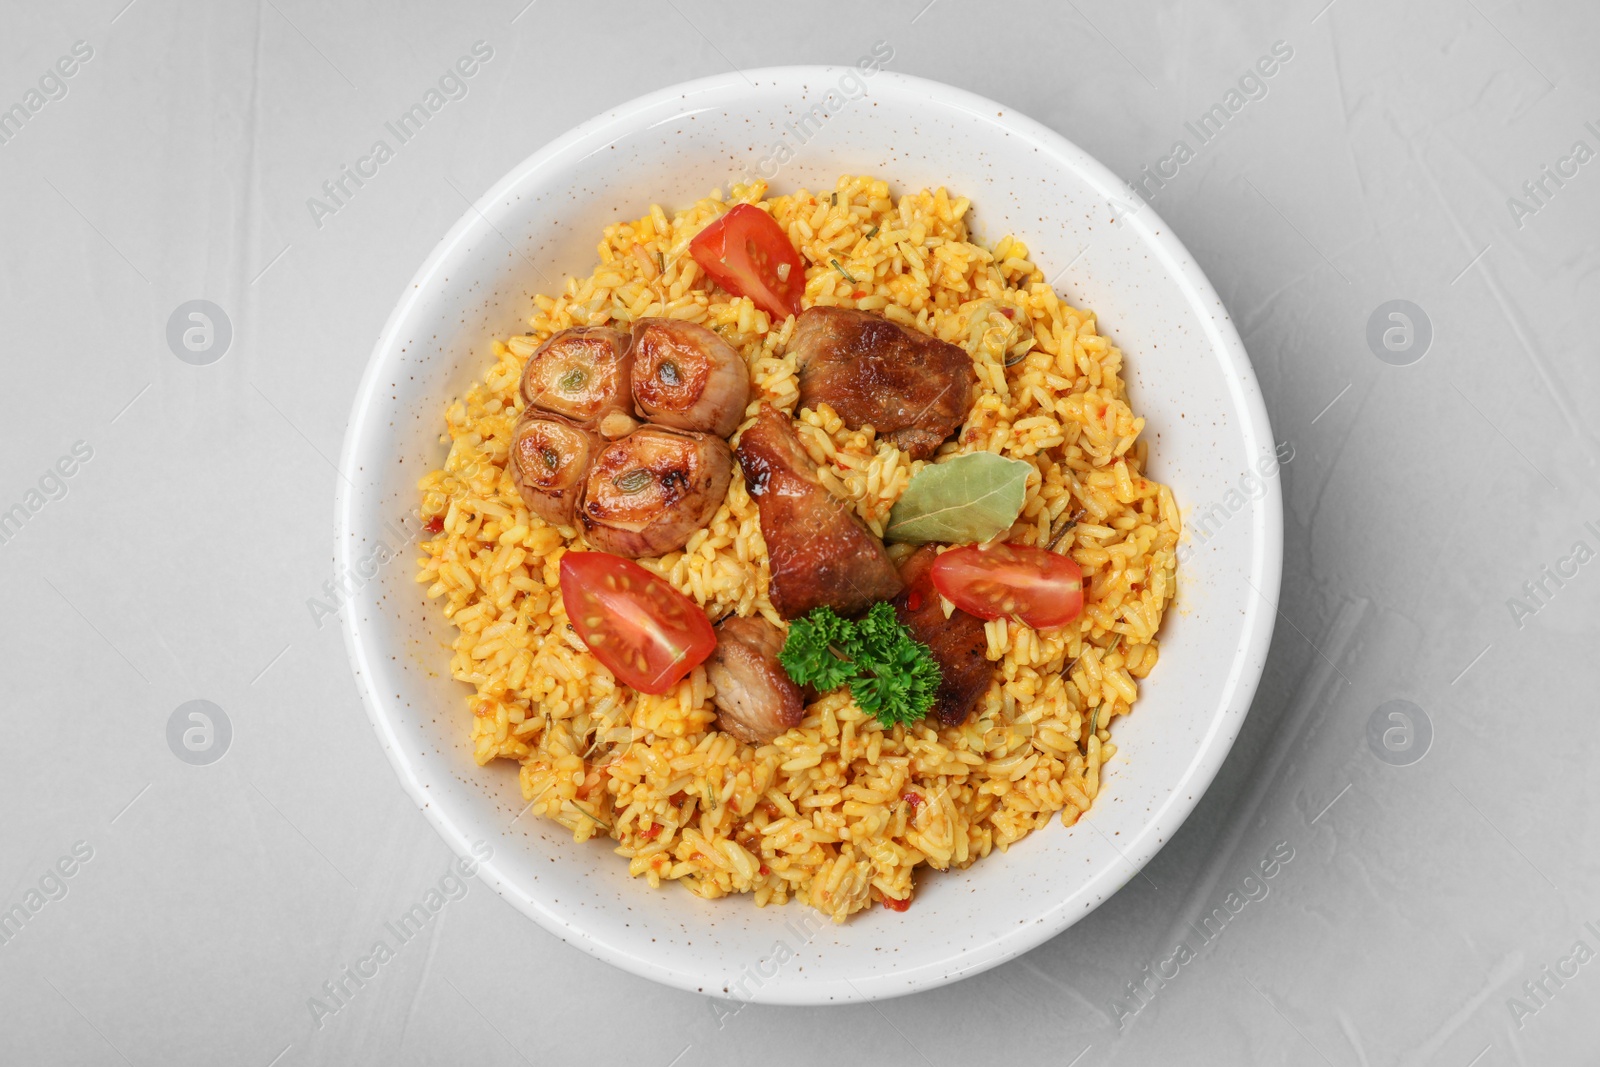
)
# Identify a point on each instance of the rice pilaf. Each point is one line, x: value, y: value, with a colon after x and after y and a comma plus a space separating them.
x: 839, y: 811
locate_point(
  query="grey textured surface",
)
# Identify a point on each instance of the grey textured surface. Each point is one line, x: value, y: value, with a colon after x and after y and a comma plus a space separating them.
x: 1433, y: 910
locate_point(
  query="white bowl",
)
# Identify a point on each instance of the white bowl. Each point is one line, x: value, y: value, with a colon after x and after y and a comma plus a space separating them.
x: 1188, y: 374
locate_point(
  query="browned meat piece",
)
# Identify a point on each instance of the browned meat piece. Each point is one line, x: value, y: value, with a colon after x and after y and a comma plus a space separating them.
x: 756, y: 700
x: 819, y: 551
x: 915, y: 390
x: 649, y: 492
x: 687, y: 377
x: 549, y: 458
x: 958, y: 643
x: 584, y: 375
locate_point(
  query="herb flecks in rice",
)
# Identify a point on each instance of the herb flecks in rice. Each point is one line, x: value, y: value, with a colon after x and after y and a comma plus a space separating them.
x: 819, y: 814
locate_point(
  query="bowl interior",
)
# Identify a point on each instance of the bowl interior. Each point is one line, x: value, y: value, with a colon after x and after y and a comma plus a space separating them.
x: 803, y: 127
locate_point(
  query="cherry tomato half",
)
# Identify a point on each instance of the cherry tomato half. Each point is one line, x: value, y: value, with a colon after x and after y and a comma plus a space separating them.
x: 1042, y: 589
x: 748, y: 254
x: 640, y: 628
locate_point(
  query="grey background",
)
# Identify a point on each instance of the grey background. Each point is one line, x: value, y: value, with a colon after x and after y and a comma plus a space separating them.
x: 179, y: 562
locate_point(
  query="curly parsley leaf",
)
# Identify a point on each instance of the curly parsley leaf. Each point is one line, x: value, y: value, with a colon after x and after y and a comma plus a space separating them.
x: 893, y: 676
x: 878, y: 633
x: 817, y: 650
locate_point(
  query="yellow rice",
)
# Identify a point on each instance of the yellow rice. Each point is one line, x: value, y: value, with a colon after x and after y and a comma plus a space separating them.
x: 839, y: 811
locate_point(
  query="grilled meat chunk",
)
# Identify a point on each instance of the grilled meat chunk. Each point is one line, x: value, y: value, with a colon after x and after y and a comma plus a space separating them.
x: 958, y: 643
x: 687, y: 377
x: 819, y: 551
x: 649, y: 492
x: 914, y: 390
x: 756, y: 700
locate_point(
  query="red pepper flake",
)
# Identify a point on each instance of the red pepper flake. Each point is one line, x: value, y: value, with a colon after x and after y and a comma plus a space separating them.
x: 1009, y: 313
x: 896, y: 905
x: 913, y: 800
x: 435, y: 524
x: 763, y: 869
x: 652, y: 832
x: 858, y: 294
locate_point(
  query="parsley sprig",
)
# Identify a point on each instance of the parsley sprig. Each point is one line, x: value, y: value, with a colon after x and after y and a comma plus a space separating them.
x: 893, y: 676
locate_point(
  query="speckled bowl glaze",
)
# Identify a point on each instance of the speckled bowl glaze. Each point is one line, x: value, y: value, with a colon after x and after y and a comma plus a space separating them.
x: 1104, y: 249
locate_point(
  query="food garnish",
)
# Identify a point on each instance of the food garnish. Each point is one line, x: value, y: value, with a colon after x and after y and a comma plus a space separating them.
x: 747, y: 253
x: 967, y: 499
x: 1064, y: 529
x: 892, y: 676
x: 637, y: 625
x: 1029, y: 585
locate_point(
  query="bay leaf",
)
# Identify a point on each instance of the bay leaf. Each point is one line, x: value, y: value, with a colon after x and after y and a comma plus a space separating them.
x: 962, y: 501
